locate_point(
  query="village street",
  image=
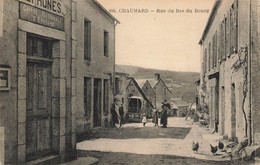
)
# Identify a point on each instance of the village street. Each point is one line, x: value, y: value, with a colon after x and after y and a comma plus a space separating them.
x: 135, y: 144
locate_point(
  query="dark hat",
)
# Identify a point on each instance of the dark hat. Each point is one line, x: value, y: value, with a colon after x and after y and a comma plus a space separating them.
x: 164, y: 102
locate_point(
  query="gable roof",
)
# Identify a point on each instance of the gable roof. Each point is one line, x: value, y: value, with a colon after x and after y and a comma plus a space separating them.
x: 150, y: 87
x: 129, y: 79
x: 140, y: 82
x: 105, y: 10
x: 179, y: 102
x: 164, y: 85
x: 153, y: 82
x: 210, y: 20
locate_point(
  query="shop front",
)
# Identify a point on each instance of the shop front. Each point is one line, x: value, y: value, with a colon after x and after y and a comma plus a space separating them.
x: 40, y: 82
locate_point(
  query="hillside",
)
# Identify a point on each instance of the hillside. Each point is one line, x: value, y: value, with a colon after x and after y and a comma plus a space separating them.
x: 182, y: 84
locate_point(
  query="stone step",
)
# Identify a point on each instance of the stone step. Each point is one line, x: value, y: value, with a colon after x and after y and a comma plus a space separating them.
x: 52, y: 159
x: 83, y: 161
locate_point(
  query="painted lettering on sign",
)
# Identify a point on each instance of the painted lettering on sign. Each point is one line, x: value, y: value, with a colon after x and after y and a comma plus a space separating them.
x: 42, y: 17
x: 53, y: 6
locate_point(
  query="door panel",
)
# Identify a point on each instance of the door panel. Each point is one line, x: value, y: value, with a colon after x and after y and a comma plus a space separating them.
x: 44, y: 134
x: 30, y: 138
x: 38, y: 116
x: 42, y: 88
x: 29, y: 88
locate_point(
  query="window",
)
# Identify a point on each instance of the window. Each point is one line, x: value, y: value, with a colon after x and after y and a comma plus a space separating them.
x: 38, y: 47
x: 87, y: 40
x: 227, y: 43
x: 214, y: 60
x: 233, y: 28
x: 117, y: 88
x: 210, y: 58
x: 225, y: 39
x: 222, y: 40
x: 205, y: 61
x: 106, y: 43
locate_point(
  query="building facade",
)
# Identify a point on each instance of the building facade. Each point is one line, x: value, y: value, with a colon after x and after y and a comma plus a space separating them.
x: 229, y: 80
x: 182, y: 106
x: 35, y: 84
x: 56, y: 76
x: 149, y: 92
x: 161, y: 90
x: 137, y: 102
x: 93, y: 64
x: 155, y: 90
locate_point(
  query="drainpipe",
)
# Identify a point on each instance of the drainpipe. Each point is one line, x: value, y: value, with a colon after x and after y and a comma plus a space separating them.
x: 114, y: 69
x: 249, y: 80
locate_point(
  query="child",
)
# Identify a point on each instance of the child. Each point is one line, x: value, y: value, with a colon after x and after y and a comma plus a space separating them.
x: 144, y: 120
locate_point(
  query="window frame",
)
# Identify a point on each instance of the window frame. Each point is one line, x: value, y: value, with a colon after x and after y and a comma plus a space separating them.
x: 106, y: 43
x: 87, y: 39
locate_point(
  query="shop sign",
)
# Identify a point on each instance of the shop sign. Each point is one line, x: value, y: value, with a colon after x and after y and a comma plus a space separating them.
x: 40, y: 16
x: 53, y: 6
x: 5, y: 76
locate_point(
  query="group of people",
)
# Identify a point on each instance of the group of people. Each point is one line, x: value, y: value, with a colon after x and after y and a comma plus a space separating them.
x: 164, y: 117
x: 117, y: 112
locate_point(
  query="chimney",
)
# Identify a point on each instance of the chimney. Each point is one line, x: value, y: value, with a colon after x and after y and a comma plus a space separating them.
x: 157, y: 76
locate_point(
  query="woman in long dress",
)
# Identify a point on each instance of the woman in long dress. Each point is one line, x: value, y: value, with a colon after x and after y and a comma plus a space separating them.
x: 164, y: 117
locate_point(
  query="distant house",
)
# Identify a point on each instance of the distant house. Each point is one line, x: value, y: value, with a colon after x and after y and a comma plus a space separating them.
x: 137, y: 100
x: 148, y: 90
x: 160, y: 89
x: 182, y: 106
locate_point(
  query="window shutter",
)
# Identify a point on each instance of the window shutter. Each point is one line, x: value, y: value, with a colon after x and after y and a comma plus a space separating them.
x: 228, y: 34
x: 232, y: 29
x: 219, y: 44
x: 225, y: 38
x: 209, y: 60
x: 216, y: 49
x: 236, y: 26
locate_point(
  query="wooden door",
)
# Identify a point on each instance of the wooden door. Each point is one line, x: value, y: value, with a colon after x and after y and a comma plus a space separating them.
x: 97, y: 102
x: 233, y: 111
x: 38, y: 110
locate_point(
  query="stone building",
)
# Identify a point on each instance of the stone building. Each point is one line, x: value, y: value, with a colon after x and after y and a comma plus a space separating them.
x: 155, y: 90
x: 35, y: 85
x: 148, y: 90
x: 137, y: 102
x: 93, y: 64
x: 48, y: 78
x: 182, y: 106
x: 229, y: 80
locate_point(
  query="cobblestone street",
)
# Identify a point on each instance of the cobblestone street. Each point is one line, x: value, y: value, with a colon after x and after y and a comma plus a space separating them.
x: 135, y: 144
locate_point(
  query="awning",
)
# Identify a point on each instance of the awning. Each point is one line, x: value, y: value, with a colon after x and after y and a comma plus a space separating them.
x: 136, y: 97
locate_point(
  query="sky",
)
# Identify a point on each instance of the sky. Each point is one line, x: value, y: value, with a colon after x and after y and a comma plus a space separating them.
x: 161, y: 38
